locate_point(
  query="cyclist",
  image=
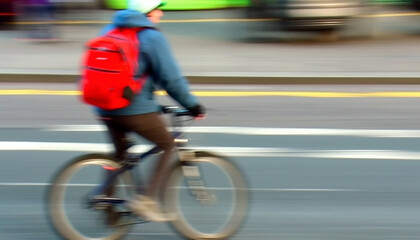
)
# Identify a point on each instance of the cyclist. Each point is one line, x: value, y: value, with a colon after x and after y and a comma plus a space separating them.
x: 142, y: 115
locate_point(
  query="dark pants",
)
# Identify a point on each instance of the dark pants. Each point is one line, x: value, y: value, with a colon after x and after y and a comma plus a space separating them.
x: 149, y: 126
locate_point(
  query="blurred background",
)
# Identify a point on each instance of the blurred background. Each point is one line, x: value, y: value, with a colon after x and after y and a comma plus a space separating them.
x: 324, y: 17
x: 231, y: 34
x: 316, y: 101
x: 325, y: 36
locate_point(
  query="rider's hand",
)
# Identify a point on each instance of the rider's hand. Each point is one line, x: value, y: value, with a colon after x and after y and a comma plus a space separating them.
x: 198, y: 111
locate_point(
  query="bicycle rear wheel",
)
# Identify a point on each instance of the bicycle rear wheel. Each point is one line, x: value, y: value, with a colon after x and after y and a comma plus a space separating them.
x: 208, y: 193
x: 70, y: 209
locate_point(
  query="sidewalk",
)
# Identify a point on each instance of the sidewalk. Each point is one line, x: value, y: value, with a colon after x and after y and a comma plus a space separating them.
x: 213, y: 52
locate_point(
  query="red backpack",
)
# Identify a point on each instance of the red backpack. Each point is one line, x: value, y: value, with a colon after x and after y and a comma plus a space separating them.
x: 109, y: 65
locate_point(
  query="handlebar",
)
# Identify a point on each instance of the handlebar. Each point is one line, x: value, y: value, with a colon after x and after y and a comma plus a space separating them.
x: 180, y: 112
x: 175, y: 110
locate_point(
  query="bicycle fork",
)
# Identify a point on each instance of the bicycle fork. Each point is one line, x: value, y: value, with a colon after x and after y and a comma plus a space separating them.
x: 194, y: 178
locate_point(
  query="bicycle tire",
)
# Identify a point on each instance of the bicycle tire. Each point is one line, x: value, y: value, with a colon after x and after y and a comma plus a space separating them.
x: 172, y: 195
x: 60, y: 187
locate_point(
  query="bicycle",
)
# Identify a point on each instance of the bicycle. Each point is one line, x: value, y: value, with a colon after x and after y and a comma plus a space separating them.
x: 205, y: 207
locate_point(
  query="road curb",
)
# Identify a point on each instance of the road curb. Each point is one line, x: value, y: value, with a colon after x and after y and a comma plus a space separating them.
x: 70, y: 78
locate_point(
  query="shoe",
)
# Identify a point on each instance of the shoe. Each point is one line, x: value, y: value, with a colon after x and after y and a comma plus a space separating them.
x: 147, y: 207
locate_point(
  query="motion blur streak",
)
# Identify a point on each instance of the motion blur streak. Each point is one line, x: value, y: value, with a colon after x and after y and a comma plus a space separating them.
x: 73, y: 22
x: 236, y: 94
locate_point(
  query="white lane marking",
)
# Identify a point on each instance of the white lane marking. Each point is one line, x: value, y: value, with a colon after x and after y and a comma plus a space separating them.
x: 225, y: 151
x: 53, y: 146
x: 23, y: 184
x: 29, y: 184
x: 75, y: 128
x: 265, y: 131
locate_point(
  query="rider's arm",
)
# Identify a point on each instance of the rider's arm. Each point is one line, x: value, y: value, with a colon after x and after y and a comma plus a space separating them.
x: 166, y: 71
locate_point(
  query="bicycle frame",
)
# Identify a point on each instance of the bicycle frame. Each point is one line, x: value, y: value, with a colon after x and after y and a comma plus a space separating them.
x: 97, y: 197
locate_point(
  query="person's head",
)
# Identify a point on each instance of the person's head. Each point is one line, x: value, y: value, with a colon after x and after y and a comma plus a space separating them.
x: 148, y: 7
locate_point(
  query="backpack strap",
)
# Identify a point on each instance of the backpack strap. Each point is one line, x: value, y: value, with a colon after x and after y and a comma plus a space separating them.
x: 132, y: 34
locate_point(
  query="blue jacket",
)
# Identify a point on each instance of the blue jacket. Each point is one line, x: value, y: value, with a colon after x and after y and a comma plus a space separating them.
x: 156, y: 57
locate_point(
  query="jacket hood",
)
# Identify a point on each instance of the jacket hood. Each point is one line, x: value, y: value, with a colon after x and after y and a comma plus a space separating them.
x: 131, y: 18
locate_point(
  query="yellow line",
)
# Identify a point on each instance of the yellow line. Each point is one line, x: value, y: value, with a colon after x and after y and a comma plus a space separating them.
x: 16, y: 92
x: 307, y: 94
x: 392, y: 15
x: 38, y: 92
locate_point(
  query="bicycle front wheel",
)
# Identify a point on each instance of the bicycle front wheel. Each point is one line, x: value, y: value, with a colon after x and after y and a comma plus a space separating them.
x: 70, y: 209
x: 208, y: 194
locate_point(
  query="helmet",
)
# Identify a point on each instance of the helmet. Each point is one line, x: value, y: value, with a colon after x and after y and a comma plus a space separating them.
x: 145, y: 6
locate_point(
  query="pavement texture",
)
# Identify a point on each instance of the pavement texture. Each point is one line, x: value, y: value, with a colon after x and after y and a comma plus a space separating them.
x: 214, y: 52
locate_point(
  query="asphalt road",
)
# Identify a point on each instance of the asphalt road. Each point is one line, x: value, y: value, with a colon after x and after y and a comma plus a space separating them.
x: 306, y: 111
x: 319, y: 167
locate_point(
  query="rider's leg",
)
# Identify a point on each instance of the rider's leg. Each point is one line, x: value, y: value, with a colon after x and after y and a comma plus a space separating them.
x: 118, y: 137
x: 151, y: 127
